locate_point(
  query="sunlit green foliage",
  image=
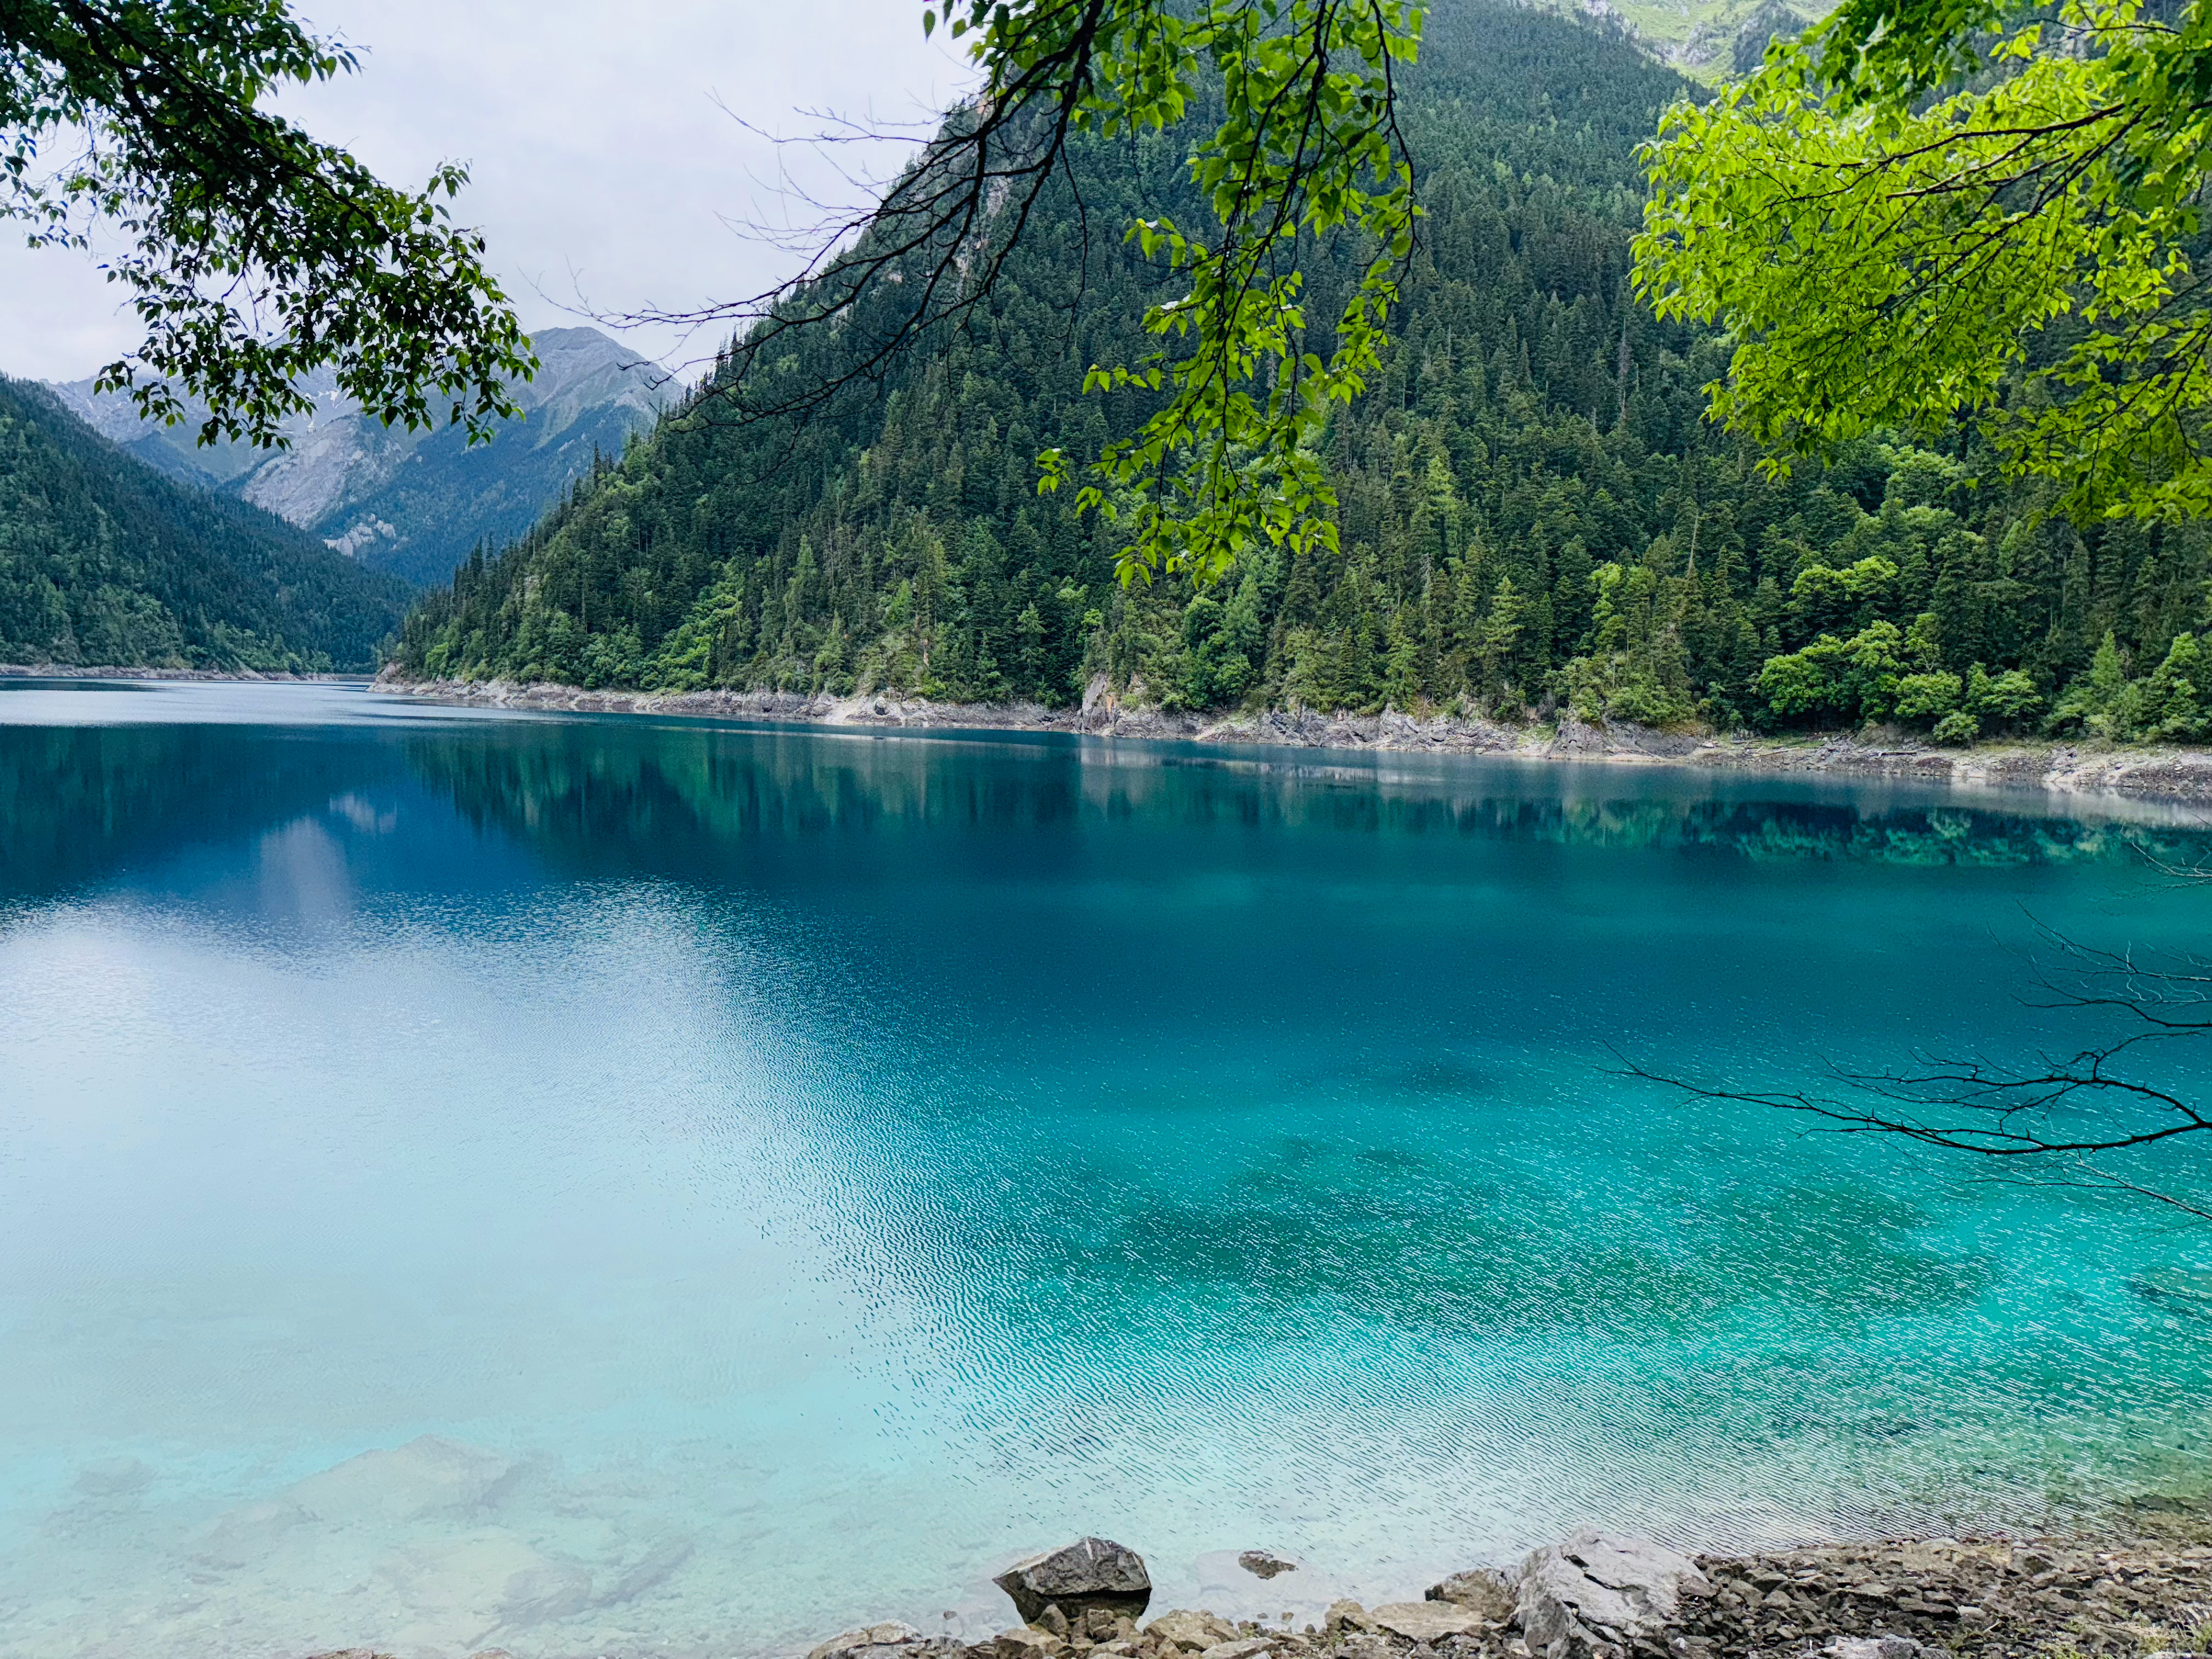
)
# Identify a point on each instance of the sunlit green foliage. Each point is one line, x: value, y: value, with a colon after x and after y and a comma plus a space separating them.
x: 2024, y: 250
x: 2172, y: 703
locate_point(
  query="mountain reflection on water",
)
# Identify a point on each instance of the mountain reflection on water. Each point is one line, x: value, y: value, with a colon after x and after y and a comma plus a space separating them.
x: 612, y: 1186
x: 81, y: 801
x: 584, y: 784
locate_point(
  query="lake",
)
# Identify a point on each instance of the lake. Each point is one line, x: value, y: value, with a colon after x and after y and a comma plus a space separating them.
x: 786, y: 1173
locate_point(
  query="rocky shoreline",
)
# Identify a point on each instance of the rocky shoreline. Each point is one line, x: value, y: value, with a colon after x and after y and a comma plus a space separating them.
x: 54, y: 670
x: 2161, y: 775
x: 1597, y: 1596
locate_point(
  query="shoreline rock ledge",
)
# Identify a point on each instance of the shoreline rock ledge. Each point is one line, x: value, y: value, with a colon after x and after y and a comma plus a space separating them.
x: 1592, y: 1595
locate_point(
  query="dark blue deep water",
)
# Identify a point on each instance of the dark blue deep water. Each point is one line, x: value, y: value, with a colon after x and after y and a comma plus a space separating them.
x: 785, y: 1173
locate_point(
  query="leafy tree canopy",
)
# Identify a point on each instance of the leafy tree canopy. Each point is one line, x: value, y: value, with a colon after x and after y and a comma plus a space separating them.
x: 2025, y: 247
x: 252, y: 253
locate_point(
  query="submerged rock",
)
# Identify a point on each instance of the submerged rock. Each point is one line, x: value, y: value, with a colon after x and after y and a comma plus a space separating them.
x: 544, y: 1591
x: 482, y: 1581
x: 427, y: 1476
x: 1594, y: 1593
x: 113, y: 1477
x: 1266, y: 1563
x: 659, y: 1565
x: 245, y: 1535
x: 1092, y: 1572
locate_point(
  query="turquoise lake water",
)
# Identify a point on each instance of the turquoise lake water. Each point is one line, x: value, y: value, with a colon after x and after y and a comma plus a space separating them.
x: 791, y: 1172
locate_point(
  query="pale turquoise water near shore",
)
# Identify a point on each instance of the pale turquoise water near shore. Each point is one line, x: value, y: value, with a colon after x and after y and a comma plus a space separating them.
x: 809, y: 1167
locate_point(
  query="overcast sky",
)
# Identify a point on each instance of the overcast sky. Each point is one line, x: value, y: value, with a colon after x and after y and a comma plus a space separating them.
x: 606, y: 162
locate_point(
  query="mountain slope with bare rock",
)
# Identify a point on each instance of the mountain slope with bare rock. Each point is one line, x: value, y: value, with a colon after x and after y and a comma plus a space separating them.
x: 414, y: 503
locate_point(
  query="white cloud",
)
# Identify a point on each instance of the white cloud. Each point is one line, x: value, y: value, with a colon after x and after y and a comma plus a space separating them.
x: 606, y: 168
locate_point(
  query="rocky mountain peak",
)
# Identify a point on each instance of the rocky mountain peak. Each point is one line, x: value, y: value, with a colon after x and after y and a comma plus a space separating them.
x: 413, y: 502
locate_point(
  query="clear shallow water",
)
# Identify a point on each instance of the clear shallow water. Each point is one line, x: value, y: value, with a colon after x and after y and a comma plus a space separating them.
x: 791, y: 1172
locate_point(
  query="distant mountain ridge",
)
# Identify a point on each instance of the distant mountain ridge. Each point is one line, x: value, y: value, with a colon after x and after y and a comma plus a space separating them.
x: 105, y: 561
x: 1706, y: 39
x: 413, y: 504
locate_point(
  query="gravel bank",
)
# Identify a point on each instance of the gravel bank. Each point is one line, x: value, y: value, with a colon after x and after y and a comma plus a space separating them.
x: 2167, y: 775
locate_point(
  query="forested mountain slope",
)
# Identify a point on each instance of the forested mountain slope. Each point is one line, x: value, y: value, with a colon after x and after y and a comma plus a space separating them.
x: 1533, y: 508
x: 105, y: 561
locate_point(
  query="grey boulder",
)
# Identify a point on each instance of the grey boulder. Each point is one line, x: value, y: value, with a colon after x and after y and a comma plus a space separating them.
x: 1345, y: 1618
x: 1479, y: 1591
x: 1593, y: 1595
x: 1092, y: 1572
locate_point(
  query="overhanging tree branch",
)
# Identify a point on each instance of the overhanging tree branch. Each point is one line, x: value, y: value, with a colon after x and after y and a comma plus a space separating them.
x: 1307, y: 145
x: 2072, y: 1119
x: 254, y: 254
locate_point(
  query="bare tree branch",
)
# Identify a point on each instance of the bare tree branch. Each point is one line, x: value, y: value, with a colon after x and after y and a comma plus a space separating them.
x: 2045, y: 1120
